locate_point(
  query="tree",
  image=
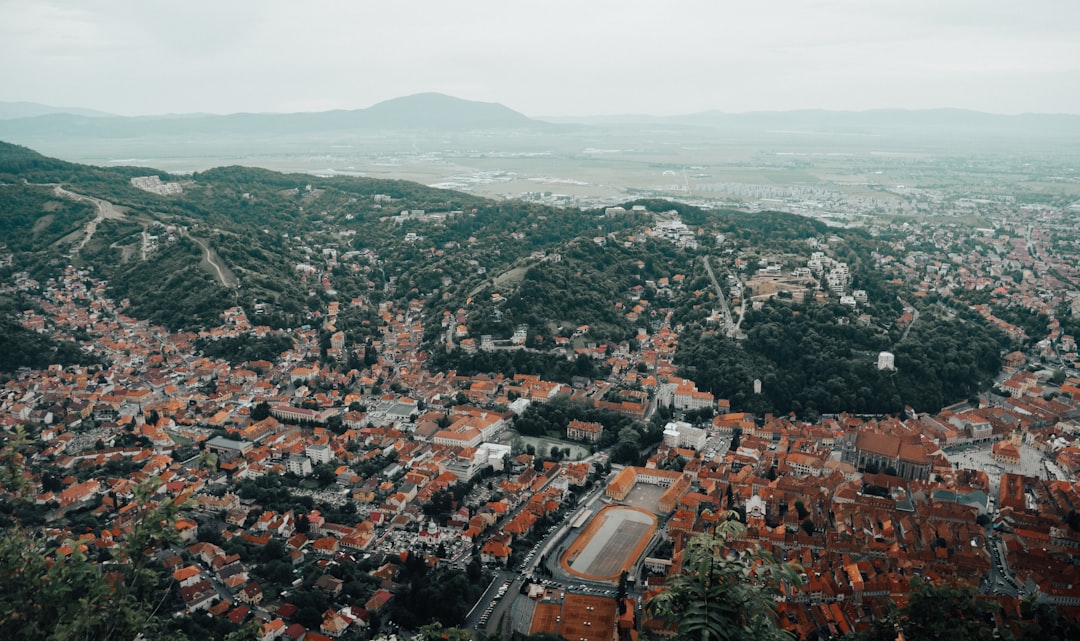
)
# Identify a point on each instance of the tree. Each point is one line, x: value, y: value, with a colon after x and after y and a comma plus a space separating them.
x: 309, y: 616
x: 251, y: 631
x: 474, y: 571
x: 324, y: 474
x: 1044, y: 622
x: 736, y: 438
x: 436, y: 632
x: 723, y: 594
x: 48, y: 595
x: 260, y: 412
x: 937, y: 612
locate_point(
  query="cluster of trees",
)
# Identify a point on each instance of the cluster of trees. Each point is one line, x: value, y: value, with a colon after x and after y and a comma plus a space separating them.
x: 550, y: 367
x: 956, y: 612
x: 634, y: 440
x: 1035, y: 324
x: 1070, y: 323
x: 171, y: 289
x: 71, y: 599
x: 273, y: 493
x: 21, y: 347
x: 443, y: 595
x: 45, y: 594
x: 555, y: 298
x: 551, y: 419
x: 945, y: 360
x: 246, y: 347
x: 18, y: 163
x: 811, y: 363
x: 497, y: 237
x: 253, y: 218
x: 32, y: 218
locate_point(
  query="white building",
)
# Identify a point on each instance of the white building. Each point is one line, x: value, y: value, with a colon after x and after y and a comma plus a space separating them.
x: 519, y: 405
x: 465, y: 467
x: 319, y: 453
x: 299, y: 465
x: 496, y: 454
x: 682, y: 434
x: 886, y: 360
x: 520, y: 335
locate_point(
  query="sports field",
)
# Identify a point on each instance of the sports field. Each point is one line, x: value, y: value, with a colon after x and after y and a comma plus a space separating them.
x: 611, y: 542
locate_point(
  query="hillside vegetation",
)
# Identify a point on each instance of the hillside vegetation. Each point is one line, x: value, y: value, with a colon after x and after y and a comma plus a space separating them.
x: 288, y: 244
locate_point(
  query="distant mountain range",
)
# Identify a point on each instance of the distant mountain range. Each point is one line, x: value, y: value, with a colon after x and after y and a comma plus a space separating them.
x: 350, y: 140
x: 12, y: 110
x: 430, y: 111
x: 24, y: 121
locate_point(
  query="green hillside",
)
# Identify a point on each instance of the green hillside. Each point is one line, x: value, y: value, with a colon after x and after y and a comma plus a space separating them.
x: 284, y: 245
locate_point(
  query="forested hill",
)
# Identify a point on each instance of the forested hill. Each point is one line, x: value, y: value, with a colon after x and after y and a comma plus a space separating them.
x: 179, y: 250
x: 289, y: 242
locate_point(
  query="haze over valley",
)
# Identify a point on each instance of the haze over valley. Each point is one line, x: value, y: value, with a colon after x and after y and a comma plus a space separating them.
x: 840, y: 164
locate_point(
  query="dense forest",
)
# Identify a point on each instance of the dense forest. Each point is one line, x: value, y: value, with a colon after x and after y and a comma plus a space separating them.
x: 20, y: 347
x: 589, y: 284
x: 811, y: 360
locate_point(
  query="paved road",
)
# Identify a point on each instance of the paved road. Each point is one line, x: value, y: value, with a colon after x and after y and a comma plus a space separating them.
x: 914, y: 317
x: 500, y: 619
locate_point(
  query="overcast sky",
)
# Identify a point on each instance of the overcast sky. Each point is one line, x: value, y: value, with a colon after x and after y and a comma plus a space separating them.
x: 545, y: 57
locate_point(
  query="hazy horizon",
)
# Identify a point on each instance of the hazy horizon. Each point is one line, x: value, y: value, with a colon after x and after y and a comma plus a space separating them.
x: 629, y: 114
x: 569, y: 59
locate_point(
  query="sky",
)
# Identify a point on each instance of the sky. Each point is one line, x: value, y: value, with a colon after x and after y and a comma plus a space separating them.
x: 544, y: 57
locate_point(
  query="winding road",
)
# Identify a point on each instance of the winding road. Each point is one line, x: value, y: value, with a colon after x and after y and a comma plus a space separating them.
x: 105, y: 210
x: 223, y: 274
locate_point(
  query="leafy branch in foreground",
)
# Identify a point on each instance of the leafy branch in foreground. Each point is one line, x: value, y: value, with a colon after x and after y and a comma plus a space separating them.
x: 52, y: 589
x: 724, y: 594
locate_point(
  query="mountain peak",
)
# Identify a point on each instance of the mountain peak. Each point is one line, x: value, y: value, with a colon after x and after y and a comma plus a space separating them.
x: 12, y: 110
x: 433, y: 109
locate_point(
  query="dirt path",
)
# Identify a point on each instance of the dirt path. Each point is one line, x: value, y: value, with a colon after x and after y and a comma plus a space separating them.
x: 224, y: 274
x: 105, y: 210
